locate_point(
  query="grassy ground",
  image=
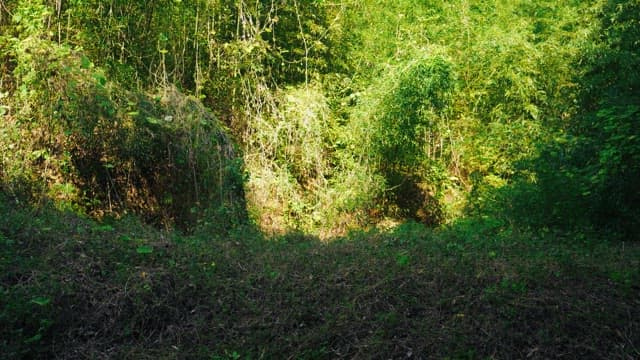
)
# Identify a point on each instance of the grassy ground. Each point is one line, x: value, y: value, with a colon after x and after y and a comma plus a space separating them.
x: 75, y: 289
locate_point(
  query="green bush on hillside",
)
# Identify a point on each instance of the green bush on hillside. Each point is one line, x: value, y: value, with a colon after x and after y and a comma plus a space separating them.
x: 72, y: 135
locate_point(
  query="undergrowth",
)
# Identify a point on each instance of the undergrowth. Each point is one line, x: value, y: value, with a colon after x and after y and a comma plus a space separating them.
x: 75, y: 288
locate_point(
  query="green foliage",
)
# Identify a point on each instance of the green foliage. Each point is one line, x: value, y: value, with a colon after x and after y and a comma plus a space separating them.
x: 402, y: 133
x: 345, y: 113
x: 412, y: 112
x: 294, y: 182
x: 348, y: 115
x: 608, y: 129
x: 508, y: 89
x: 80, y: 139
x: 586, y: 175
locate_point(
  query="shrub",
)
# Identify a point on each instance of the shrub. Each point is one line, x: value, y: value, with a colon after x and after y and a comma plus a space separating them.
x: 74, y: 136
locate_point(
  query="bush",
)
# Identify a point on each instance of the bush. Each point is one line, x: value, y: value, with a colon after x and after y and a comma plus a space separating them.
x: 74, y: 136
x: 409, y: 144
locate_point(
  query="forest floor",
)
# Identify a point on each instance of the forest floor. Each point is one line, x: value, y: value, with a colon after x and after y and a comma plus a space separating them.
x: 76, y: 289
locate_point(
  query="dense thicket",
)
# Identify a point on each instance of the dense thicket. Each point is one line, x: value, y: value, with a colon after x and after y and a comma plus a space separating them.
x: 606, y: 132
x: 587, y: 174
x: 348, y: 179
x: 345, y: 113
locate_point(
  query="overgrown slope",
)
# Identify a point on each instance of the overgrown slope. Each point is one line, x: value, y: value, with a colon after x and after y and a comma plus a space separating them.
x: 72, y: 134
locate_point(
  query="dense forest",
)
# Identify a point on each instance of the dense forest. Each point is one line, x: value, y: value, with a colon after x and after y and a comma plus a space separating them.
x: 248, y: 179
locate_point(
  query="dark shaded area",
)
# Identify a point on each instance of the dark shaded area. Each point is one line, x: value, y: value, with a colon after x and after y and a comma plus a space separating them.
x: 608, y: 131
x: 588, y: 177
x: 413, y: 199
x: 74, y: 289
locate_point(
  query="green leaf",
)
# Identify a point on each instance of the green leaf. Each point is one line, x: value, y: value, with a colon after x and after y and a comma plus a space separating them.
x: 152, y: 120
x: 103, y: 228
x: 37, y: 154
x: 402, y: 259
x: 41, y: 300
x: 100, y: 79
x: 33, y: 339
x: 85, y: 63
x: 144, y: 249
